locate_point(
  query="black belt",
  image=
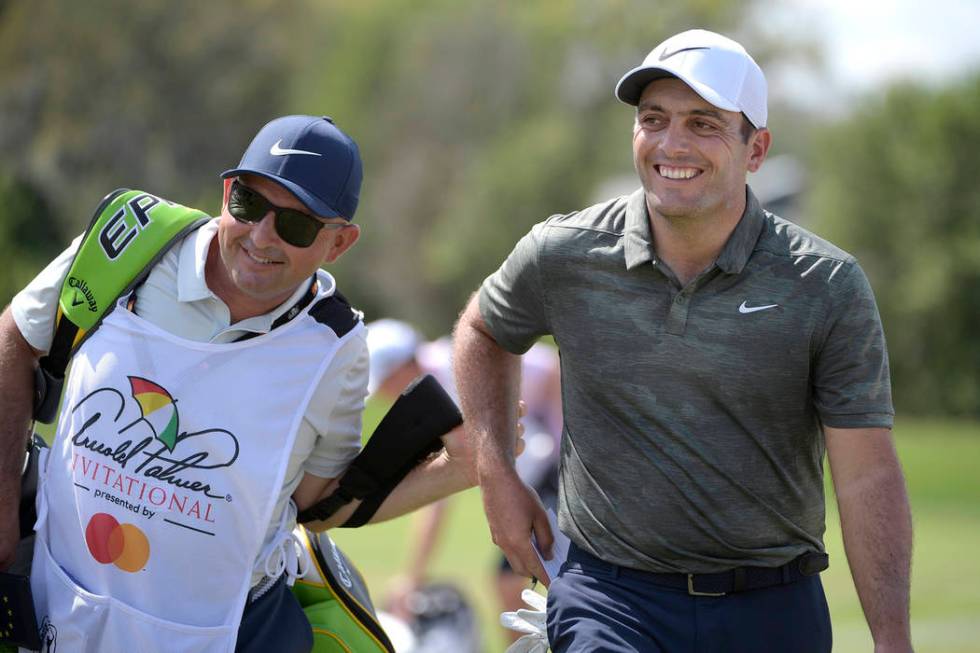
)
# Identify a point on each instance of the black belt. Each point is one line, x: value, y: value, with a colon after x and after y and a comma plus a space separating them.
x: 739, y: 579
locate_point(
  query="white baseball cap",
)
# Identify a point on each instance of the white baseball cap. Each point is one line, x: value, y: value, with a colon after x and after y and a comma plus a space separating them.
x: 391, y: 344
x: 715, y: 67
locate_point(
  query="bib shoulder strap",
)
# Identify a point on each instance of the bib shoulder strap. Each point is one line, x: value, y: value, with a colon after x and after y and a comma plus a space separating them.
x: 337, y: 313
x: 130, y: 231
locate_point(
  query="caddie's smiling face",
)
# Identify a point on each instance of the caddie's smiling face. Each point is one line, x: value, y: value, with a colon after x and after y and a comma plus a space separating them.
x: 253, y: 269
x: 690, y: 155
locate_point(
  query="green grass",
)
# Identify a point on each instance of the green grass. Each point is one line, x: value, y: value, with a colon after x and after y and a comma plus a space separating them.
x: 941, y: 461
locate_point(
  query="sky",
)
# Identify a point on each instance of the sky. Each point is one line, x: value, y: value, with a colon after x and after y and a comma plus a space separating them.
x: 867, y: 43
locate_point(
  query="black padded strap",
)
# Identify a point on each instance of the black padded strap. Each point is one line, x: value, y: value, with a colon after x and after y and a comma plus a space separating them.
x: 337, y: 313
x: 409, y: 433
x: 49, y: 376
x: 56, y: 360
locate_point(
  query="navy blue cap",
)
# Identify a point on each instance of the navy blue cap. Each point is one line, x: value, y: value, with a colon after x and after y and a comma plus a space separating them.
x: 311, y: 157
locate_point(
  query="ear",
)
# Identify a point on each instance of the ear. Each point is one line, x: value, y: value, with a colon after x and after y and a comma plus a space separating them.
x: 343, y: 240
x: 758, y: 147
x: 226, y: 190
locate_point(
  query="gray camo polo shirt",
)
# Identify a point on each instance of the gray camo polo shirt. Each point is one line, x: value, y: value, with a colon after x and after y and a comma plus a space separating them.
x: 692, y: 415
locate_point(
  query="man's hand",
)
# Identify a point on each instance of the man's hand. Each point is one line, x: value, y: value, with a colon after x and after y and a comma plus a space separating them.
x: 514, y: 512
x: 460, y: 452
x: 398, y: 596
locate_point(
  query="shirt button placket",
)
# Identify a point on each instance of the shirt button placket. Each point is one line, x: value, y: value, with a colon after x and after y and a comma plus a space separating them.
x: 677, y: 317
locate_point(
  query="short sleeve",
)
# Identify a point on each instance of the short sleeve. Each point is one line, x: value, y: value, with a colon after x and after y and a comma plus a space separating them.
x: 512, y: 300
x: 335, y: 411
x: 35, y: 308
x: 851, y: 381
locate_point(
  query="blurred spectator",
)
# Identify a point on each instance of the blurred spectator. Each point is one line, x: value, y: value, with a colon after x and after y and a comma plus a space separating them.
x: 399, y: 354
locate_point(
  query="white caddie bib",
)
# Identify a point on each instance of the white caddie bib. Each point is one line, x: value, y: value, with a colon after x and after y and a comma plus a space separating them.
x: 165, y: 469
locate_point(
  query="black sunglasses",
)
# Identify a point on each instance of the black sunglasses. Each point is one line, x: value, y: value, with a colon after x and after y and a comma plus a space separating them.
x: 294, y: 227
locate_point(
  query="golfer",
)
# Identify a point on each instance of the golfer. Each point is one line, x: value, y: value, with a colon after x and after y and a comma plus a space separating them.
x: 711, y: 353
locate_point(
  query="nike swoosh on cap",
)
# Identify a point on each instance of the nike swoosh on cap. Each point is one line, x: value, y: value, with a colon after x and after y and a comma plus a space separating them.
x: 745, y: 308
x: 667, y: 55
x: 275, y: 150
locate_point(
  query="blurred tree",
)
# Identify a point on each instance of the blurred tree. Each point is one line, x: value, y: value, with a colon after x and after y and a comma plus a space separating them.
x: 897, y: 183
x: 161, y: 96
x: 29, y: 236
x: 476, y: 120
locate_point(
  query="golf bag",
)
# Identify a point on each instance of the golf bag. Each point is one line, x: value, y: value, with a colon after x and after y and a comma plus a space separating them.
x: 335, y: 598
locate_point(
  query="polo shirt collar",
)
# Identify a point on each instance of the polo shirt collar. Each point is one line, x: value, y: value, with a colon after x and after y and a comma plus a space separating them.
x: 639, y: 248
x: 736, y: 252
x: 191, y: 259
x: 192, y: 286
x: 638, y: 245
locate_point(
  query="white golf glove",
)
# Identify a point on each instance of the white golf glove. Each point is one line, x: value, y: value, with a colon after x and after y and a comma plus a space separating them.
x: 532, y: 622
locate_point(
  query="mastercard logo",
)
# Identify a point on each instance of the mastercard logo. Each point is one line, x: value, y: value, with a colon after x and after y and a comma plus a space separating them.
x: 111, y: 542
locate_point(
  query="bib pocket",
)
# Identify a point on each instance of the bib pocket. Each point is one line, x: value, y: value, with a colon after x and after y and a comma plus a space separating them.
x: 78, y: 620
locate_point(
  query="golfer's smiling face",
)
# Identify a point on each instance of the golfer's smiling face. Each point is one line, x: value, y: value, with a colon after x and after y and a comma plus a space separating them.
x: 690, y: 155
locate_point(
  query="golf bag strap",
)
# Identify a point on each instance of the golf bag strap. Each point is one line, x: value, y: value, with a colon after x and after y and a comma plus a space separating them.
x: 28, y: 486
x: 408, y: 434
x: 129, y: 233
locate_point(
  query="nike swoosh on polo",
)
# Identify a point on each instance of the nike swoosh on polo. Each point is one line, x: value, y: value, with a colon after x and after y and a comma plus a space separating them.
x: 667, y: 55
x: 275, y: 150
x: 745, y: 308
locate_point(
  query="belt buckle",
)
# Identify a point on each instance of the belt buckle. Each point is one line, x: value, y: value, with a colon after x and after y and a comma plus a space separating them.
x: 693, y: 592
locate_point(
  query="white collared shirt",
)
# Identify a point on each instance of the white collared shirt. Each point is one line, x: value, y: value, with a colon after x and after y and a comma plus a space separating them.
x: 176, y: 298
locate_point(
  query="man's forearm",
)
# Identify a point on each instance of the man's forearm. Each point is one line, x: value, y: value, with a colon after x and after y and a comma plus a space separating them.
x: 17, y: 361
x: 435, y: 479
x: 488, y: 382
x: 876, y: 524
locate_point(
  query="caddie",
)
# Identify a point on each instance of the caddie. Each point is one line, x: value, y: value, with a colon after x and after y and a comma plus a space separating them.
x: 711, y: 354
x: 220, y: 395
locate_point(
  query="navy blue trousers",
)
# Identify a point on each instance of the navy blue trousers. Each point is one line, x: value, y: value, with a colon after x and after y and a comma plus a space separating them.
x: 594, y: 606
x: 275, y: 622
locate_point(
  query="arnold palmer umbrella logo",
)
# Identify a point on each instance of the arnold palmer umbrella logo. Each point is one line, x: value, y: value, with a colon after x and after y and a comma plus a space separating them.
x: 158, y: 409
x: 133, y: 450
x: 166, y: 453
